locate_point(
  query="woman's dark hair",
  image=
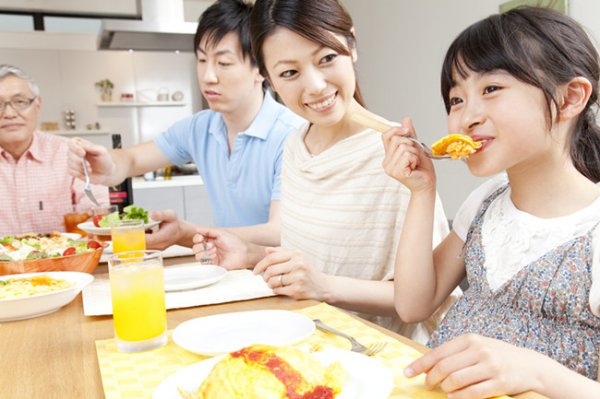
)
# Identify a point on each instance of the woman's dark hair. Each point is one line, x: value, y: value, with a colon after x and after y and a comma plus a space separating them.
x: 540, y: 47
x: 314, y: 20
x: 222, y: 17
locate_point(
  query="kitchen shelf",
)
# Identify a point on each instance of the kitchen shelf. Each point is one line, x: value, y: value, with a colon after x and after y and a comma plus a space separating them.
x: 142, y: 104
x: 80, y: 132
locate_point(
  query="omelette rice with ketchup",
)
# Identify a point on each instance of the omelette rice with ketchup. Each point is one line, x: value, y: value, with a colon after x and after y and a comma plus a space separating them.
x: 269, y: 372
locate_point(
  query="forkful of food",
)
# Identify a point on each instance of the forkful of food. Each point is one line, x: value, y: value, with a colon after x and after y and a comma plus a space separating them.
x: 452, y: 146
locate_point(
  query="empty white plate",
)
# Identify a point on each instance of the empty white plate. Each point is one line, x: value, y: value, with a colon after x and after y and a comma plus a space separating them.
x: 228, y: 332
x: 191, y: 275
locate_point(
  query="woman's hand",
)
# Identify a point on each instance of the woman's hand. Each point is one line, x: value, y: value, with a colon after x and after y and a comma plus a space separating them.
x: 472, y: 366
x: 101, y: 165
x: 288, y: 273
x: 405, y: 160
x: 226, y: 249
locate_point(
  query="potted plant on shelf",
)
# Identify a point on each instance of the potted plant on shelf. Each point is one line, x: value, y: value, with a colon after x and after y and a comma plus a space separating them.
x: 106, y: 86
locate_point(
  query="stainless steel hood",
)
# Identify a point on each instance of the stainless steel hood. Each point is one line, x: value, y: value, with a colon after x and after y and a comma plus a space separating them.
x: 162, y: 28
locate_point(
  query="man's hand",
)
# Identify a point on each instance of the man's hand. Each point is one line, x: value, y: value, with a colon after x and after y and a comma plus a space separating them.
x: 172, y: 231
x: 101, y: 165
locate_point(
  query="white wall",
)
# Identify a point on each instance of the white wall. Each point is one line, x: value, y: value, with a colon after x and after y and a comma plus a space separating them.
x: 401, y: 46
x: 66, y: 79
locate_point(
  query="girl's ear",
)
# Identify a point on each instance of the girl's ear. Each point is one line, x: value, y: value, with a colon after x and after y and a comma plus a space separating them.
x: 574, y: 96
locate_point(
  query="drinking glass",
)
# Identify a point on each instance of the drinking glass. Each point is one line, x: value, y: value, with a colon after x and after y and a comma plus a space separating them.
x: 137, y: 290
x: 72, y: 219
x: 128, y: 235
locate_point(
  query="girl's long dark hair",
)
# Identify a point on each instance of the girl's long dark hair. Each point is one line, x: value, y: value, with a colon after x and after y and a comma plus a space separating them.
x: 542, y: 48
x: 314, y: 20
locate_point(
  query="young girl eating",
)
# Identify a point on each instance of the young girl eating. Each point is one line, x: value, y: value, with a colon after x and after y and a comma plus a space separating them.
x: 524, y: 84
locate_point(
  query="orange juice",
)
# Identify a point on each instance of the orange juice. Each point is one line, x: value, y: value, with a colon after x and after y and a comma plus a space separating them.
x: 125, y: 240
x: 72, y: 220
x: 128, y: 235
x: 138, y: 300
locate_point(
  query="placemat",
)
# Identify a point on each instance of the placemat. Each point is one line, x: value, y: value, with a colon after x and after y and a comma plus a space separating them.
x: 237, y: 285
x: 136, y: 375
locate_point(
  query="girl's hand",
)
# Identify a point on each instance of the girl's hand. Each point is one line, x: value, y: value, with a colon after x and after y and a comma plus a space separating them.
x: 472, y: 366
x: 287, y: 273
x: 404, y: 159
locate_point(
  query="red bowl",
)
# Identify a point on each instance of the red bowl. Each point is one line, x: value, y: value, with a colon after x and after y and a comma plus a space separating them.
x: 86, y: 262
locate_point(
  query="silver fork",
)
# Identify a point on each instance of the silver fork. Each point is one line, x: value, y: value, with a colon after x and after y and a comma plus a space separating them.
x: 87, y: 189
x: 356, y: 346
x: 375, y: 348
x: 427, y: 150
x: 380, y: 125
x: 205, y: 258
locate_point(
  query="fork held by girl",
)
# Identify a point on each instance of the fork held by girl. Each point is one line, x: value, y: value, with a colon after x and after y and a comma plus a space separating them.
x: 525, y: 84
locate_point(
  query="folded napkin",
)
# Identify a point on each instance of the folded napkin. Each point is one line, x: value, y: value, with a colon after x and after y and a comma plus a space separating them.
x: 171, y: 252
x: 237, y: 285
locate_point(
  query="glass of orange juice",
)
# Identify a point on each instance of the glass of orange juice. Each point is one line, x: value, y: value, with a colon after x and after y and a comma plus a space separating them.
x: 74, y: 218
x: 128, y: 235
x: 138, y: 300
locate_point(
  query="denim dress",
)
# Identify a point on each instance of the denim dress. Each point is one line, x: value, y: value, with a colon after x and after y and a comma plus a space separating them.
x: 544, y: 306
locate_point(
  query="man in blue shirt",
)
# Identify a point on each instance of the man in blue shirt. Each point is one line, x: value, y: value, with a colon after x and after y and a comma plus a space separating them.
x: 237, y: 144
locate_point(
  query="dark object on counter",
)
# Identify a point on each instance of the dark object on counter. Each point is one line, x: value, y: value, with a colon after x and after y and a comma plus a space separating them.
x: 186, y: 169
x: 121, y: 194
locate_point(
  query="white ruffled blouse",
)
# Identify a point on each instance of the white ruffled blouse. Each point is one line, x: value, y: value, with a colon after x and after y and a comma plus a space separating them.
x: 512, y: 238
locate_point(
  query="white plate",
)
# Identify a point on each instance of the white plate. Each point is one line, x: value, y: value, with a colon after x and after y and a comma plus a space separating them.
x: 41, y: 304
x: 367, y: 378
x: 72, y: 236
x: 89, y: 227
x: 192, y: 275
x: 228, y: 332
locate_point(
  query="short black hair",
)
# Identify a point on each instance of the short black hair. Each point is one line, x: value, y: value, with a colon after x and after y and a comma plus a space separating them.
x: 222, y: 17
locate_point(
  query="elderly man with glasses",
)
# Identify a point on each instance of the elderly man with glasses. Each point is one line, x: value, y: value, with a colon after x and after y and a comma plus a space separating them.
x: 36, y: 190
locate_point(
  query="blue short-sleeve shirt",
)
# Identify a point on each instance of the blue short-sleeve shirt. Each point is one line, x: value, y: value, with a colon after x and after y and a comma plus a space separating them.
x: 241, y: 185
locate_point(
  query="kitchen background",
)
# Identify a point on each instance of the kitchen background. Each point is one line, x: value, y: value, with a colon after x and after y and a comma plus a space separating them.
x: 401, y: 45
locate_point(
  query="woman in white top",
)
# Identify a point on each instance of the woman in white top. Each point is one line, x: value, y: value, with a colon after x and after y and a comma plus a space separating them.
x: 341, y: 215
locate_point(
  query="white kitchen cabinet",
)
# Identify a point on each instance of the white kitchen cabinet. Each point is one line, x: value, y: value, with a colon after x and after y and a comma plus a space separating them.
x: 158, y: 199
x: 185, y: 195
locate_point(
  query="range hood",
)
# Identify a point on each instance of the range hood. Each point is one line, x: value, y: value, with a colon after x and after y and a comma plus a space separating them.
x: 162, y: 28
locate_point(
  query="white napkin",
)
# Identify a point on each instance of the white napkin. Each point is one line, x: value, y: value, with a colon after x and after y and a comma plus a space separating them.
x: 237, y: 285
x: 171, y: 252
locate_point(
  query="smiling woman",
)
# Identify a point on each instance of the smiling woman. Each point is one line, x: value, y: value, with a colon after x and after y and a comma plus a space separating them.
x: 336, y: 199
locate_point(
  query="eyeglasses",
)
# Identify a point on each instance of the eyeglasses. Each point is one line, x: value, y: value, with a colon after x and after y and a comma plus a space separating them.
x: 17, y: 103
